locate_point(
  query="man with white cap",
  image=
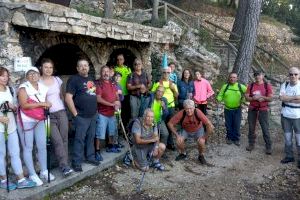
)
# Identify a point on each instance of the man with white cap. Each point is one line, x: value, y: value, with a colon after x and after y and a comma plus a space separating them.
x: 191, y: 120
x: 290, y: 114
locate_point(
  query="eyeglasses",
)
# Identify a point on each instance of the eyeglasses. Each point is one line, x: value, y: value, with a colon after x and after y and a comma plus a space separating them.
x: 32, y: 74
x: 166, y: 72
x: 291, y: 74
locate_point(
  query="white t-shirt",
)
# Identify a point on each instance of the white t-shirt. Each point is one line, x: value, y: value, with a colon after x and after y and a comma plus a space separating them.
x: 288, y: 112
x: 6, y: 96
x: 31, y: 92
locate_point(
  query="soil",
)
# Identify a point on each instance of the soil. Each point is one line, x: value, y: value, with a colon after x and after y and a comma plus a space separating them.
x: 235, y: 174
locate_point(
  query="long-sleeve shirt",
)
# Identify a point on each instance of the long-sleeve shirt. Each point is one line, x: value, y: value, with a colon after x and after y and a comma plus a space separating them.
x: 203, y: 91
x: 184, y: 89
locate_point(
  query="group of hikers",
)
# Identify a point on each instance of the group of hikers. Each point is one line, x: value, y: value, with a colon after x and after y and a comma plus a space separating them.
x: 152, y: 111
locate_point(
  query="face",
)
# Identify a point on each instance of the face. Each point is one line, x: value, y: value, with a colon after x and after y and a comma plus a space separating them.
x: 166, y: 74
x: 186, y: 74
x: 149, y: 118
x: 138, y: 65
x: 83, y: 68
x: 120, y: 60
x: 233, y: 78
x: 160, y: 92
x: 4, y: 78
x: 172, y: 66
x: 294, y: 75
x: 111, y: 72
x: 33, y: 76
x: 189, y: 111
x: 105, y: 73
x: 118, y: 79
x: 198, y: 76
x: 259, y: 77
x: 47, y: 69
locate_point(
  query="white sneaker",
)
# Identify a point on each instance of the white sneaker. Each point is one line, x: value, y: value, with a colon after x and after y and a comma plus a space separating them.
x: 36, y: 179
x: 44, y: 175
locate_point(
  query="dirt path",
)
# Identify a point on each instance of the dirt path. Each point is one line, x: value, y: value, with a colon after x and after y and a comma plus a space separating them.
x: 237, y: 174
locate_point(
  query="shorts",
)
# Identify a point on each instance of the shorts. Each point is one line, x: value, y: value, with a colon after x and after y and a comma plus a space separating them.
x: 142, y: 154
x: 193, y: 135
x: 103, y: 123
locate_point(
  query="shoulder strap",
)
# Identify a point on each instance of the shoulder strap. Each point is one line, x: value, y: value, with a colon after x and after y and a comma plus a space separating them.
x: 196, y: 115
x: 182, y: 118
x: 226, y: 88
x: 286, y: 84
x: 11, y: 90
x: 251, y: 88
x: 266, y: 88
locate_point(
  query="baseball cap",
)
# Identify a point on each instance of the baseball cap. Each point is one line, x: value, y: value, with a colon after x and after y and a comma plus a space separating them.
x: 258, y: 72
x: 31, y: 69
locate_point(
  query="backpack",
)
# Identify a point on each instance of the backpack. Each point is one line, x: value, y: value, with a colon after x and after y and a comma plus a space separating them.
x: 266, y: 89
x: 240, y: 89
x: 184, y: 114
x: 284, y: 104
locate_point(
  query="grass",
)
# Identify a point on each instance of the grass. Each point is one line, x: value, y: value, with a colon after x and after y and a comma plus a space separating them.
x: 271, y: 20
x: 84, y: 9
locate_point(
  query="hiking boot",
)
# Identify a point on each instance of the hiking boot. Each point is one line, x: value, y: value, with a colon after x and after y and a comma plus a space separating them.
x: 268, y: 151
x: 157, y: 165
x: 112, y: 150
x: 202, y: 160
x: 287, y: 160
x: 77, y: 168
x: 250, y: 147
x: 228, y: 141
x: 11, y: 186
x: 98, y: 156
x: 25, y: 183
x: 181, y: 156
x: 67, y: 171
x: 237, y: 143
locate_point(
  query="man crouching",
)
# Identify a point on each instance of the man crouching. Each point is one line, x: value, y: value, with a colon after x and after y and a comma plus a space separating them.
x: 191, y: 121
x: 146, y: 143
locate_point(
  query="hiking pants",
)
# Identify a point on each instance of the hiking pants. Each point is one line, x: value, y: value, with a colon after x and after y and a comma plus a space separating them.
x: 233, y: 123
x: 164, y: 133
x: 289, y: 127
x: 263, y: 117
x: 85, y: 129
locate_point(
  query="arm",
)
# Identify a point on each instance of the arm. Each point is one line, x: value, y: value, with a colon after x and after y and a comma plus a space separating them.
x: 174, y: 89
x: 220, y: 95
x: 210, y: 91
x: 22, y: 97
x: 70, y: 103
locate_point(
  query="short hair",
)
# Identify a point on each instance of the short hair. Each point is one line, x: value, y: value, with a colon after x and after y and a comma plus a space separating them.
x: 188, y: 103
x: 292, y: 69
x: 147, y: 110
x: 137, y: 60
x: 80, y: 60
x: 171, y: 63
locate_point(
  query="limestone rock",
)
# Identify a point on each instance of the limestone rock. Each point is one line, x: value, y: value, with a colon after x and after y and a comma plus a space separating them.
x: 137, y: 15
x: 19, y: 19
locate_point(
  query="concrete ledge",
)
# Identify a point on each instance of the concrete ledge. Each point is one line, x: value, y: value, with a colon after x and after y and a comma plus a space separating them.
x: 61, y: 183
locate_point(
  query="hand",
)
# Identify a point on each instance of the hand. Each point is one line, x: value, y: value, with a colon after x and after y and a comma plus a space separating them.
x: 47, y: 104
x: 12, y: 107
x: 117, y: 105
x: 180, y: 140
x: 4, y: 120
x: 256, y: 97
x: 143, y: 89
x: 261, y: 99
x: 190, y: 96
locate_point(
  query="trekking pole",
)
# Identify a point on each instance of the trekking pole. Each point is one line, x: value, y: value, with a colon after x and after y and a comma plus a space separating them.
x: 47, y: 127
x: 118, y: 113
x: 139, y: 187
x: 5, y: 111
x: 218, y: 122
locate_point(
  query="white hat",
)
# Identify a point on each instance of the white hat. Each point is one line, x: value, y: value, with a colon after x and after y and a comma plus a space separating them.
x: 31, y: 69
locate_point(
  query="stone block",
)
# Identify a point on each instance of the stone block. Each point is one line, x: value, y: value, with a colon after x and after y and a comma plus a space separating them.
x: 57, y: 19
x: 73, y: 14
x: 78, y: 30
x: 58, y: 12
x: 19, y: 19
x: 96, y: 34
x: 60, y: 27
x: 101, y: 29
x: 126, y: 37
x: 44, y: 8
x: 94, y: 19
x: 5, y: 14
x: 78, y: 22
x: 37, y: 20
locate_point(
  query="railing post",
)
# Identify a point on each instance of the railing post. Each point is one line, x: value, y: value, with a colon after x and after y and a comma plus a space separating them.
x: 166, y: 11
x: 130, y: 4
x: 228, y: 59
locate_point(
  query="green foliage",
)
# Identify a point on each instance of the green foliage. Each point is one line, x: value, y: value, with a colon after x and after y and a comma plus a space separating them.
x: 84, y: 9
x: 205, y: 38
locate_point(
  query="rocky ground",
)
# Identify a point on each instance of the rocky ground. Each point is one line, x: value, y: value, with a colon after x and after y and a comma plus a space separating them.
x: 236, y: 174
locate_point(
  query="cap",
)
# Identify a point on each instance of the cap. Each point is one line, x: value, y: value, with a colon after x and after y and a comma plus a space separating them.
x: 258, y: 72
x: 31, y: 69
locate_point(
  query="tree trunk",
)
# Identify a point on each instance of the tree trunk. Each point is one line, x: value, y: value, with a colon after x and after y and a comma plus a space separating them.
x: 244, y: 58
x: 155, y: 12
x: 108, y: 9
x: 239, y: 20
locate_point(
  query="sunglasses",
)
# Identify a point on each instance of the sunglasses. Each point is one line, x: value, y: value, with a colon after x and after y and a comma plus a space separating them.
x: 166, y: 72
x: 293, y: 74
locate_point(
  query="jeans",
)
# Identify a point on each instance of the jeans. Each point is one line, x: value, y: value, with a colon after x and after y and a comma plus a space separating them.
x: 233, y: 123
x: 59, y: 125
x: 38, y: 133
x: 14, y: 153
x: 291, y: 126
x: 104, y: 123
x: 85, y: 129
x: 263, y: 117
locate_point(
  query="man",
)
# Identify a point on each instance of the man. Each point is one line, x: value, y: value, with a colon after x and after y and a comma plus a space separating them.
x: 82, y: 103
x: 290, y: 114
x: 203, y: 91
x: 232, y: 94
x: 124, y: 71
x: 259, y: 94
x: 191, y: 121
x: 138, y: 85
x: 146, y: 142
x: 108, y: 103
x: 158, y: 105
x: 171, y: 94
x: 173, y: 75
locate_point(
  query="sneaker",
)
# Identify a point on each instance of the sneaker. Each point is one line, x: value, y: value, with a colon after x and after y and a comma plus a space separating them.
x: 181, y: 156
x: 287, y: 160
x: 202, y: 160
x: 237, y: 143
x: 11, y: 186
x: 67, y: 171
x: 25, y: 183
x: 98, y: 156
x: 120, y: 146
x: 93, y: 162
x: 112, y: 150
x: 35, y: 178
x: 157, y: 165
x: 77, y: 168
x: 228, y: 141
x: 250, y: 147
x: 44, y: 175
x: 268, y: 151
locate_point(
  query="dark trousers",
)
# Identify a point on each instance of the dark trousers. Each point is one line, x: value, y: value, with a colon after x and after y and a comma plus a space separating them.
x: 263, y: 117
x: 85, y: 129
x: 233, y: 123
x: 170, y: 140
x: 203, y: 108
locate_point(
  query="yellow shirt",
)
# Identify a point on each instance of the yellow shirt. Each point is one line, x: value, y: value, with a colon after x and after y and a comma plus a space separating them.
x: 125, y: 71
x: 168, y: 92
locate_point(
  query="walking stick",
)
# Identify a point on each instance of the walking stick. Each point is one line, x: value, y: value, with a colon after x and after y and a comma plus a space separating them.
x: 218, y: 122
x: 6, y: 109
x: 47, y: 127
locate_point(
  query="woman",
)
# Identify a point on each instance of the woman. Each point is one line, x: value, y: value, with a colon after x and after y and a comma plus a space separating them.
x: 32, y: 96
x: 8, y: 119
x: 185, y: 87
x: 58, y: 115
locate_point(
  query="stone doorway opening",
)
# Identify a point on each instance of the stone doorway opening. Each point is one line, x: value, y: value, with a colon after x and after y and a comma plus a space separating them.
x: 65, y: 57
x: 128, y: 56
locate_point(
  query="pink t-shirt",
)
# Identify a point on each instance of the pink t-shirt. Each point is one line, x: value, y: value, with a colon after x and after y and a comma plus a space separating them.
x: 53, y: 95
x: 203, y: 91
